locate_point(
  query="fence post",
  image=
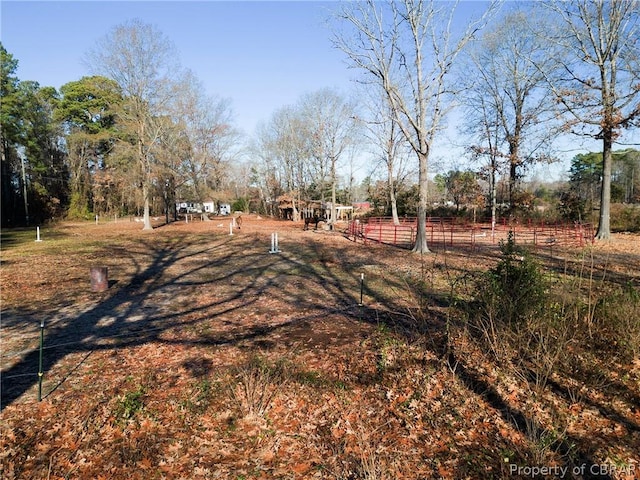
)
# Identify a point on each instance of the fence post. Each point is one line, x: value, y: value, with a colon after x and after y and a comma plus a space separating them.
x: 40, y: 374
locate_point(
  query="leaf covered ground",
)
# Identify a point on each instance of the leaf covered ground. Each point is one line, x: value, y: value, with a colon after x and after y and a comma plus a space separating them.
x: 209, y: 357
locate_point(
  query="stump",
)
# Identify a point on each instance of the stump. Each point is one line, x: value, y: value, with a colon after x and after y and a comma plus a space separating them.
x: 99, y: 279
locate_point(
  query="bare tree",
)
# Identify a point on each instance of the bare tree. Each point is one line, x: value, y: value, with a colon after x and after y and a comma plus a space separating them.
x: 407, y: 48
x: 508, y: 94
x: 207, y: 124
x: 142, y: 61
x: 598, y: 84
x: 330, y: 126
x: 389, y: 147
x: 486, y: 128
x: 283, y: 145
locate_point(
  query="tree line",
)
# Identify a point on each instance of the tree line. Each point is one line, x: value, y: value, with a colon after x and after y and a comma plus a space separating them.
x: 131, y: 138
x: 139, y: 132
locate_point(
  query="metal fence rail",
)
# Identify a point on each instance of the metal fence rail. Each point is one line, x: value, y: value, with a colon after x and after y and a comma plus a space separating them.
x: 445, y: 232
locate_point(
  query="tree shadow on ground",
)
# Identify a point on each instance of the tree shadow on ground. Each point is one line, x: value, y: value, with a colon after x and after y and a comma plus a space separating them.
x: 431, y: 322
x: 179, y: 283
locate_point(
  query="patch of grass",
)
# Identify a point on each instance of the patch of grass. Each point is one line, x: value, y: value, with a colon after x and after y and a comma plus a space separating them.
x: 25, y: 239
x: 130, y: 404
x: 200, y: 397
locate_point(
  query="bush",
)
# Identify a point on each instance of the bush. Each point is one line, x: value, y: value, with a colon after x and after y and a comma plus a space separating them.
x: 617, y: 322
x: 625, y: 218
x: 517, y: 320
x: 257, y: 383
x: 241, y: 205
x: 515, y: 288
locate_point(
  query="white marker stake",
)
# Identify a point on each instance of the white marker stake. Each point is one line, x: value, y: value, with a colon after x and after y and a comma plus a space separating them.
x: 231, y: 228
x: 38, y: 234
x: 274, y: 243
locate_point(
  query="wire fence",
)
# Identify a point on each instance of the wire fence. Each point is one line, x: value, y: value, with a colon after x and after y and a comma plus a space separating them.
x: 445, y: 232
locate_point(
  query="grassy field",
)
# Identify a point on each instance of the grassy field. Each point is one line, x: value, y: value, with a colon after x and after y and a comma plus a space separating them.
x: 209, y: 357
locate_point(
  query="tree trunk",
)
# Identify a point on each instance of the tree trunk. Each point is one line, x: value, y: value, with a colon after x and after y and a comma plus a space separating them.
x: 604, y: 225
x: 492, y: 187
x: 513, y: 170
x: 333, y: 194
x: 147, y: 219
x: 295, y: 214
x: 392, y: 193
x: 421, y: 234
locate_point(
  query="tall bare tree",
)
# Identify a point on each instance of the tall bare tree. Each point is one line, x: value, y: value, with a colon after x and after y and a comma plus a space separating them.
x: 599, y: 80
x: 330, y: 126
x: 508, y: 92
x: 283, y: 146
x: 407, y: 48
x: 207, y: 124
x: 389, y: 147
x: 486, y: 129
x: 142, y: 60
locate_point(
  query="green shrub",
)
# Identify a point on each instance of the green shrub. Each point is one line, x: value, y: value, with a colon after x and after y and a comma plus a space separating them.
x: 240, y: 205
x: 517, y: 320
x: 515, y: 289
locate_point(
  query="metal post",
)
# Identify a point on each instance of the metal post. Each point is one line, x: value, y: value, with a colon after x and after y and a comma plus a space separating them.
x: 361, y: 288
x: 40, y: 362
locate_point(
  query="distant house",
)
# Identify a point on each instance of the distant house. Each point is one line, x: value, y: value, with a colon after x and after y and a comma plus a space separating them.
x: 209, y: 206
x: 361, y: 205
x: 361, y: 208
x: 188, y: 207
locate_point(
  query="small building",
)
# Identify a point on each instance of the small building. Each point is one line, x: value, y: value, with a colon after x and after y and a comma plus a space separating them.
x: 287, y: 207
x: 224, y: 209
x: 361, y: 208
x: 188, y: 207
x: 209, y: 206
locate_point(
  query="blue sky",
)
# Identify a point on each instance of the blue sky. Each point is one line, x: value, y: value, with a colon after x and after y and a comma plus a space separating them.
x: 260, y: 55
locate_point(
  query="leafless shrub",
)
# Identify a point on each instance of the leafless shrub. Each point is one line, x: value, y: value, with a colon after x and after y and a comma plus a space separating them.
x: 256, y: 384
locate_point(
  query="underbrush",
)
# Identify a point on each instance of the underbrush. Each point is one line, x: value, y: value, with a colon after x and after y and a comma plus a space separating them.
x: 625, y: 218
x: 557, y: 345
